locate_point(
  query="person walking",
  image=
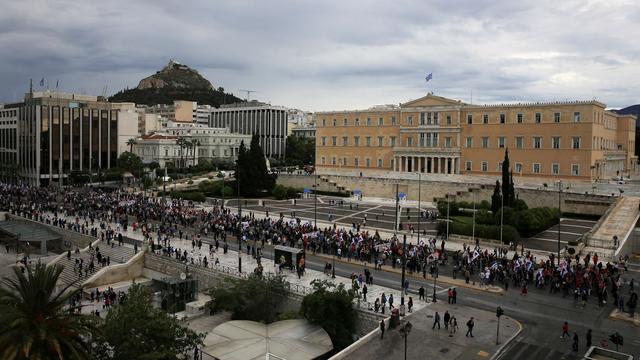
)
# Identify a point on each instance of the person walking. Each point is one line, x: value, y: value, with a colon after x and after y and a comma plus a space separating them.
x: 565, y: 330
x: 447, y: 318
x: 421, y: 293
x: 364, y: 292
x: 574, y: 346
x: 455, y: 296
x: 470, y: 325
x: 410, y: 304
x: 436, y: 321
x: 454, y: 326
x: 449, y: 296
x: 381, y: 329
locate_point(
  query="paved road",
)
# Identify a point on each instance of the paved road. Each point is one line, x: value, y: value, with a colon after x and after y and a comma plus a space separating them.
x: 570, y: 230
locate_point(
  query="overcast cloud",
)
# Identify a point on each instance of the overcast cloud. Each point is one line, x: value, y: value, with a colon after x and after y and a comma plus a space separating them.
x: 328, y: 55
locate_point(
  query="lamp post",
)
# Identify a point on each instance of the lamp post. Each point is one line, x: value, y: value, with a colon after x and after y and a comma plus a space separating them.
x: 404, y: 262
x: 559, y: 216
x: 419, y: 207
x: 473, y: 226
x: 315, y: 199
x: 222, y: 206
x: 404, y: 331
x: 435, y: 277
x: 239, y: 217
x: 395, y: 226
x: 333, y: 265
x: 501, y: 215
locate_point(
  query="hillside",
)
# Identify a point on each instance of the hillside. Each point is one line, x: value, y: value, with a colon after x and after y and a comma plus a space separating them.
x: 634, y: 110
x: 175, y: 82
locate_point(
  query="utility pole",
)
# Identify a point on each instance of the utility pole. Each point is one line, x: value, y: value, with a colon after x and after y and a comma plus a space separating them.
x: 239, y: 218
x: 473, y: 226
x: 559, y: 216
x: 315, y: 200
x: 395, y: 228
x: 419, y: 207
x: 502, y: 216
x: 404, y: 262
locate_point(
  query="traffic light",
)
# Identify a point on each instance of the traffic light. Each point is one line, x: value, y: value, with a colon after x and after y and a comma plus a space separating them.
x: 499, y: 311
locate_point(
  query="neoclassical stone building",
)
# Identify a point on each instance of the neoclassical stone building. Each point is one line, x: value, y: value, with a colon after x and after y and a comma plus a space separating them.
x: 580, y: 140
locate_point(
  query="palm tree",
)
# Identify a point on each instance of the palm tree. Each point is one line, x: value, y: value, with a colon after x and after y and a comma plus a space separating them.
x: 195, y: 143
x: 187, y: 146
x: 33, y: 321
x: 131, y: 142
x: 180, y: 142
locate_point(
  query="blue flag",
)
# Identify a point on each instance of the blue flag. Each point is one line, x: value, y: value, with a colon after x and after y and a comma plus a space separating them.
x: 429, y: 77
x: 42, y: 82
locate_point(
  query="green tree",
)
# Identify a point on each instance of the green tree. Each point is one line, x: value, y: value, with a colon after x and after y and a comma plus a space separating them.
x: 254, y: 298
x: 331, y: 307
x: 496, y: 198
x: 300, y: 151
x: 33, y: 321
x: 131, y: 142
x: 135, y: 330
x: 130, y: 162
x: 253, y: 175
x: 505, y: 178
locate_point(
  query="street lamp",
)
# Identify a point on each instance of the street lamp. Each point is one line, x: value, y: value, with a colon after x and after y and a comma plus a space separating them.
x: 404, y: 331
x: 239, y: 217
x: 435, y: 277
x: 473, y: 226
x: 559, y: 216
x: 502, y: 216
x: 419, y: 207
x: 404, y: 262
x: 315, y: 199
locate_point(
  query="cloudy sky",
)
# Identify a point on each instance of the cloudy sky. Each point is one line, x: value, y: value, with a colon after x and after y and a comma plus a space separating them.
x: 332, y: 54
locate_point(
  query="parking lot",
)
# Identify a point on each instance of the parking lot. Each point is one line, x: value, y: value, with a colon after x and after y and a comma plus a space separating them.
x: 343, y: 211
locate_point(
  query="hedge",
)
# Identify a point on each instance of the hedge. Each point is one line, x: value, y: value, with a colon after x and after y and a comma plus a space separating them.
x: 188, y: 195
x: 509, y: 233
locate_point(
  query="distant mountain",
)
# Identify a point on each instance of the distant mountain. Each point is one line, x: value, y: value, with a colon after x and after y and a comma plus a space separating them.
x: 633, y: 110
x: 175, y: 82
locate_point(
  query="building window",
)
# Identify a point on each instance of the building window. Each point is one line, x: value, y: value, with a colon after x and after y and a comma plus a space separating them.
x: 518, y: 168
x: 345, y: 141
x: 334, y: 140
x: 435, y: 118
x: 467, y: 165
x: 367, y: 162
x: 345, y: 122
x: 469, y: 119
x: 575, y: 170
x: 393, y: 120
x: 380, y: 141
x: 575, y: 142
x: 501, y: 142
x: 555, y: 142
x: 485, y: 142
x: 447, y: 142
x: 322, y: 159
x: 556, y: 117
x: 379, y: 163
x: 380, y: 121
x: 356, y: 141
x: 344, y: 161
x: 409, y: 120
x: 537, y: 142
x: 448, y: 119
x: 536, y: 168
x: 576, y: 116
x: 503, y: 118
x: 422, y: 140
x: 499, y: 166
x: 485, y: 166
x: 356, y: 162
x: 485, y: 118
x: 333, y: 161
x: 323, y: 141
x: 538, y: 118
x: 324, y: 122
x: 469, y: 143
x: 409, y: 141
x: 520, y: 118
x: 422, y: 122
x: 335, y: 122
x: 368, y: 141
x: 555, y: 169
x: 519, y: 142
x: 368, y: 121
x: 392, y: 141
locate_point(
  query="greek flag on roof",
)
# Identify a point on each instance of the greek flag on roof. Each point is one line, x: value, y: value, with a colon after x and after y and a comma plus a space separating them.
x: 429, y: 77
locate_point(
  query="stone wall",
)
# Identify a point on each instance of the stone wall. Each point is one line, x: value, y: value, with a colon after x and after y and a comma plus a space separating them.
x: 116, y: 273
x: 431, y: 191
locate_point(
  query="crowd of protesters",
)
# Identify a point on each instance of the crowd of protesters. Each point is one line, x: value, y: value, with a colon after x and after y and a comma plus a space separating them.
x: 105, y: 214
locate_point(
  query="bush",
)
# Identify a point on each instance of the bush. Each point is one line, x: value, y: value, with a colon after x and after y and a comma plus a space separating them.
x: 484, y: 217
x: 292, y: 193
x: 484, y: 204
x: 509, y: 233
x: 190, y: 182
x: 279, y: 192
x: 188, y: 195
x: 519, y: 204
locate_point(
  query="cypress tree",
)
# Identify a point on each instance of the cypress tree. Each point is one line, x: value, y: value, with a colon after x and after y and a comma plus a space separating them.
x: 505, y: 179
x: 496, y: 198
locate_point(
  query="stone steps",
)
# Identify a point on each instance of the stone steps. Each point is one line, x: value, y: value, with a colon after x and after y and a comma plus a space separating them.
x: 116, y: 254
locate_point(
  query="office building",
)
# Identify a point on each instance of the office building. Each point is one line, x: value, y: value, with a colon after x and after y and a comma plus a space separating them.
x: 267, y: 121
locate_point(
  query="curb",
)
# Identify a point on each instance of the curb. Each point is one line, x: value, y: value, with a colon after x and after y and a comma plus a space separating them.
x: 446, y: 279
x: 501, y: 349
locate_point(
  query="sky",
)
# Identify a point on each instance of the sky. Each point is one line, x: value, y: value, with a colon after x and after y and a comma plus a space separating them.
x: 332, y: 54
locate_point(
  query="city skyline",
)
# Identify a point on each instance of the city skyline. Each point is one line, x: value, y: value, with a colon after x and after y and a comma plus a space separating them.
x: 335, y: 55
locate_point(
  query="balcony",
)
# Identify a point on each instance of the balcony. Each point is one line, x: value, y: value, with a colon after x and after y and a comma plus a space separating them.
x: 429, y: 151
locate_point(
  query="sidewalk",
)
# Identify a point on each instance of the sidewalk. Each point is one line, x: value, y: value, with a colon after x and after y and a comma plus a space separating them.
x: 424, y: 342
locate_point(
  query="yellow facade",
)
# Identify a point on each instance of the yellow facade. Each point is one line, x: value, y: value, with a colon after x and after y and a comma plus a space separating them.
x: 579, y: 140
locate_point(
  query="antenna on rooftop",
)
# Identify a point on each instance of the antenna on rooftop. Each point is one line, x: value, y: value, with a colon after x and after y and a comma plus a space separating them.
x: 248, y: 93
